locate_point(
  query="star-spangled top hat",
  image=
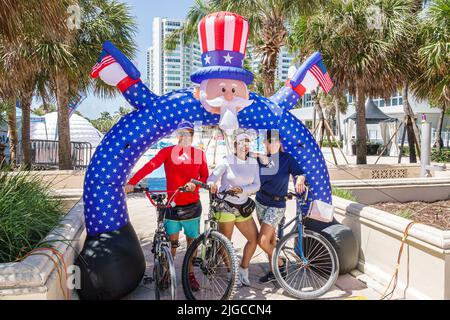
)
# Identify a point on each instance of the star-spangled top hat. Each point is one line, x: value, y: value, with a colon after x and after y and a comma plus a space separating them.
x: 223, y: 39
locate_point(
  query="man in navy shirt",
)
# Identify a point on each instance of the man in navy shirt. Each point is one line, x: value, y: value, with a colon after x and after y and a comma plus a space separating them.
x: 275, y: 170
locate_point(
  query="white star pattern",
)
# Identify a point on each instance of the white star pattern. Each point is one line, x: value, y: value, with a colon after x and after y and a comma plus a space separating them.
x: 228, y: 58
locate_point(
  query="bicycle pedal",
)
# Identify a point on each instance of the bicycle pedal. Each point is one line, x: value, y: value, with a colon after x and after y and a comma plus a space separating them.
x: 196, y: 261
x: 147, y: 280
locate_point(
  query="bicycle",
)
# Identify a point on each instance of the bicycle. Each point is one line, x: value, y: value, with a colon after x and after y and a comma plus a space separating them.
x: 164, y: 267
x: 311, y: 264
x: 211, y: 257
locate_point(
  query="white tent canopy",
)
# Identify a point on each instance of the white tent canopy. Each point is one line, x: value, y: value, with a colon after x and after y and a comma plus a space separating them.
x: 81, y: 130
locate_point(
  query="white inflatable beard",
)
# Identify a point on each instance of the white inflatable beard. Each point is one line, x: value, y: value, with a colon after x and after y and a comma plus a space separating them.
x: 228, y: 114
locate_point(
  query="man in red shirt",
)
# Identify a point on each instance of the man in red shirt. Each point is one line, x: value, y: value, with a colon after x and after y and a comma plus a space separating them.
x: 181, y: 164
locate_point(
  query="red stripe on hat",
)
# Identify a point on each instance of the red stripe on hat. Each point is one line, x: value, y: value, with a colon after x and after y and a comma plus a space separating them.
x: 238, y: 33
x: 219, y: 26
x: 246, y: 38
x: 202, y: 33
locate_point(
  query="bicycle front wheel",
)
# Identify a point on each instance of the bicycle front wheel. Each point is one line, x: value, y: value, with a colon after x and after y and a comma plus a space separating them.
x: 164, y: 275
x: 210, y: 268
x: 306, y: 279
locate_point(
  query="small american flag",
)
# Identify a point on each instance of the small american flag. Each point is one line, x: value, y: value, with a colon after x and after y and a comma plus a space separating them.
x: 311, y: 74
x: 104, y: 62
x: 75, y: 102
x: 320, y: 72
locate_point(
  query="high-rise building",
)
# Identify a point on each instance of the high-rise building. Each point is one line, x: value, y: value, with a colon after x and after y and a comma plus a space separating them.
x: 285, y: 60
x: 170, y: 70
x: 149, y: 67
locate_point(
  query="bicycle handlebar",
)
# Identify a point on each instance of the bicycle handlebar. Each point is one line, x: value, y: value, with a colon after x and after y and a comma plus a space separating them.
x: 207, y: 187
x: 200, y: 184
x: 139, y: 189
x: 291, y: 195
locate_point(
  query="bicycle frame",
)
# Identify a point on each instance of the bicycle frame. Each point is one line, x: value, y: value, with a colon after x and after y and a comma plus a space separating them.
x: 156, y: 198
x: 298, y: 219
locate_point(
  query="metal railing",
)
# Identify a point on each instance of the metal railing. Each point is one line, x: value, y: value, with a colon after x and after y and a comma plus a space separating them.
x: 44, y: 154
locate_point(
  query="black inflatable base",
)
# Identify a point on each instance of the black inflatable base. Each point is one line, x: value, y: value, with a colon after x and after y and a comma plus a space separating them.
x: 112, y: 265
x: 342, y: 239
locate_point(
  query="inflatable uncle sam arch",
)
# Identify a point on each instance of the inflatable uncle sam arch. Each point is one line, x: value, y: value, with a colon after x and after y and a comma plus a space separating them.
x: 112, y: 262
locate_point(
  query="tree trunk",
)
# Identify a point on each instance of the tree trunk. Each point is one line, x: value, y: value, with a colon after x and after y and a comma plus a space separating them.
x: 269, y: 68
x: 439, y: 143
x: 13, y: 135
x: 361, y: 128
x: 338, y: 119
x: 26, y: 111
x: 64, y: 147
x: 409, y: 125
x: 319, y: 111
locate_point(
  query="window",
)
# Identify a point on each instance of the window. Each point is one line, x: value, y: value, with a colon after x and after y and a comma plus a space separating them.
x: 307, y: 101
x: 173, y: 23
x: 172, y: 78
x: 349, y: 98
x: 172, y: 60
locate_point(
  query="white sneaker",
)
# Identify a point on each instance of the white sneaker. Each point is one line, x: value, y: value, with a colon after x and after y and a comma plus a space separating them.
x: 238, y: 282
x: 243, y: 276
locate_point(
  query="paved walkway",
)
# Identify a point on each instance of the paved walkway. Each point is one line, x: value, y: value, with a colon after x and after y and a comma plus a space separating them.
x: 143, y: 218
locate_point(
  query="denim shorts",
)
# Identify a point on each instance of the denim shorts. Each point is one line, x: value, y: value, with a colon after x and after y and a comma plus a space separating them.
x: 269, y: 215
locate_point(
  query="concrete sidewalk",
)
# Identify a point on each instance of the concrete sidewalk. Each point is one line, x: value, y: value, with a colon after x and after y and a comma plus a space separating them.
x: 143, y: 218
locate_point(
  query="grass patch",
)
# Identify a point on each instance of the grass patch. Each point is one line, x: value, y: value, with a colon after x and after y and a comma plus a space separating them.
x: 27, y: 213
x: 406, y: 213
x: 342, y: 193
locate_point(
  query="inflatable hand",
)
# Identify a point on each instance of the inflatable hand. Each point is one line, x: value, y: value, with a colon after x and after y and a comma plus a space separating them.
x: 114, y: 68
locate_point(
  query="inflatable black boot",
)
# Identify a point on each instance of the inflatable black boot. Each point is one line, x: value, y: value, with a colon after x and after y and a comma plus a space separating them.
x: 342, y: 239
x: 112, y: 264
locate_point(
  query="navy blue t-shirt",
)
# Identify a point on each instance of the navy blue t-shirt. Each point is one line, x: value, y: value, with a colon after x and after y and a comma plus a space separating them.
x: 275, y: 178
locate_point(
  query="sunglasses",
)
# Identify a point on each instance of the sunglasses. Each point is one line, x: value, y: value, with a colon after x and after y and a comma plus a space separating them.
x: 243, y: 143
x: 185, y: 134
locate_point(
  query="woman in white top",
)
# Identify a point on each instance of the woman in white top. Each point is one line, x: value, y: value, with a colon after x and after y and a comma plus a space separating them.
x: 240, y: 174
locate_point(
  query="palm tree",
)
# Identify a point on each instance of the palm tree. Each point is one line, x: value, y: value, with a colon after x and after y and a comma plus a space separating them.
x: 359, y: 49
x: 22, y: 22
x: 334, y: 105
x: 268, y: 21
x: 70, y: 59
x: 61, y: 62
x: 433, y: 81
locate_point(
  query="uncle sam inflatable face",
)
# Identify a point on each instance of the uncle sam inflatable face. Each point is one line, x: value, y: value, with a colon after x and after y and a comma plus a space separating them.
x: 223, y: 80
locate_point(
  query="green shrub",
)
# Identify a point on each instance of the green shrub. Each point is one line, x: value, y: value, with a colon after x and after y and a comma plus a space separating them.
x: 27, y: 214
x: 443, y: 156
x: 326, y: 144
x: 405, y: 151
x: 341, y: 193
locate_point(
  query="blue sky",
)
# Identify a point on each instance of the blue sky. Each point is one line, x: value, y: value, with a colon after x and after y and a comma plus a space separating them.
x: 144, y: 11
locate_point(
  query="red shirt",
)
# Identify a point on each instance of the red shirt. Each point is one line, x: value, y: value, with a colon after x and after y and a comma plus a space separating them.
x: 181, y: 164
